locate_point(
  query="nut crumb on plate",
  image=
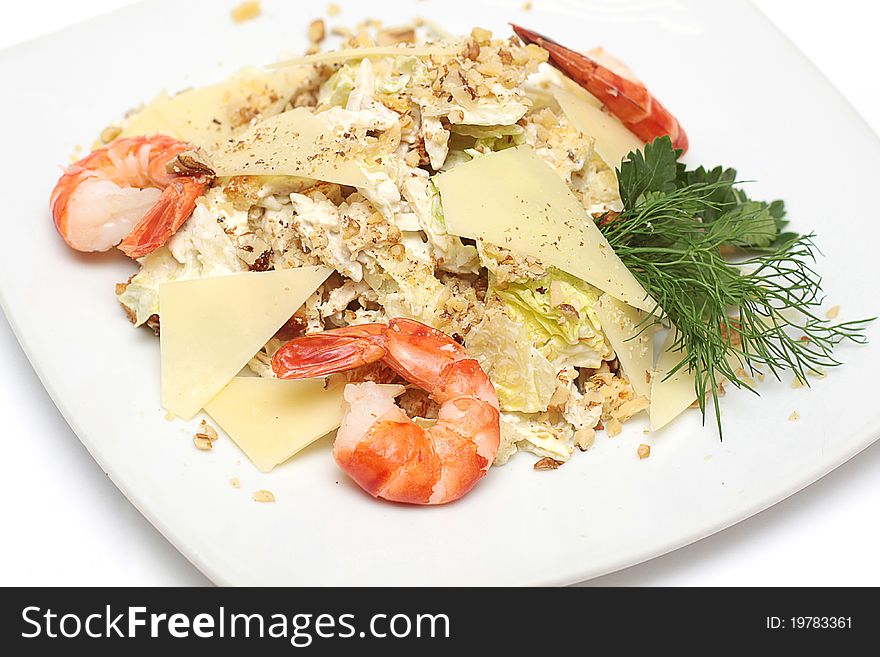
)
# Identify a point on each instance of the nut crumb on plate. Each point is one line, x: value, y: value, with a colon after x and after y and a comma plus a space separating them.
x: 547, y: 463
x: 333, y: 9
x: 794, y: 416
x: 246, y: 11
x: 316, y: 31
x: 205, y: 436
x: 644, y: 451
x: 235, y: 483
x: 833, y: 312
x: 264, y: 496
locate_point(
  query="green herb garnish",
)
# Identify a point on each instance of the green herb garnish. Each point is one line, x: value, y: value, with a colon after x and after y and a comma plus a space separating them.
x: 741, y: 294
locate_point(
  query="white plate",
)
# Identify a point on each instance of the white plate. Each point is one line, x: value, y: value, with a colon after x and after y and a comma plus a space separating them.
x: 747, y: 98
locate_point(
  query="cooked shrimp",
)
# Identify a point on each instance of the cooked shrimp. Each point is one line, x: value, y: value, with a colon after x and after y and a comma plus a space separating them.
x: 378, y: 445
x: 609, y: 80
x: 123, y: 195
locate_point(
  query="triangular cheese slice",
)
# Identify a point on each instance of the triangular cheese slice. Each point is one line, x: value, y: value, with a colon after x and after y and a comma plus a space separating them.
x: 150, y: 121
x: 632, y: 341
x: 294, y: 143
x: 670, y: 397
x: 211, y: 328
x: 514, y: 199
x: 271, y: 420
x: 613, y: 140
x: 210, y: 116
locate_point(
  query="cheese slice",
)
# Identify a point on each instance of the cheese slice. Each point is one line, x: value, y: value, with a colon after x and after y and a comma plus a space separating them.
x: 294, y: 143
x: 271, y: 420
x: 210, y: 116
x: 613, y: 140
x: 670, y: 397
x: 211, y: 328
x: 514, y: 199
x: 150, y: 121
x: 336, y: 56
x: 633, y: 342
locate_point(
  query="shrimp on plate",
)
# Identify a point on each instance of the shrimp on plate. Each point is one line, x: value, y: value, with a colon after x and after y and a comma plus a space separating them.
x: 133, y: 193
x: 609, y: 80
x: 378, y: 445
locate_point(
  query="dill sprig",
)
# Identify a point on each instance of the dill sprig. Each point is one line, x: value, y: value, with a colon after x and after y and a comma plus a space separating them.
x: 734, y: 317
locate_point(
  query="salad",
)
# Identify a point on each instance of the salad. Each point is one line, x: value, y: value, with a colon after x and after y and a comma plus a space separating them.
x: 488, y: 243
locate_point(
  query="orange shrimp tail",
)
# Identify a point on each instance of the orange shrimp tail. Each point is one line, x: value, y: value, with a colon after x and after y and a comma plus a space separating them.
x: 424, y: 349
x: 337, y: 350
x: 173, y: 208
x: 628, y: 100
x: 394, y: 460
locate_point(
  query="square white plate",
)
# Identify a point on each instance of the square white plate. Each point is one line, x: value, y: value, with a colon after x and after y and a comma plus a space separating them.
x: 747, y: 98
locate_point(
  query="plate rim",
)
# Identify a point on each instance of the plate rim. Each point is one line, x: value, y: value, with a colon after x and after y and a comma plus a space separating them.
x: 869, y: 434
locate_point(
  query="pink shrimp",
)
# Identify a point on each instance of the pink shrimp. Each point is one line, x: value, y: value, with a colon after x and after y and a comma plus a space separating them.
x: 378, y: 445
x: 618, y: 90
x: 123, y: 195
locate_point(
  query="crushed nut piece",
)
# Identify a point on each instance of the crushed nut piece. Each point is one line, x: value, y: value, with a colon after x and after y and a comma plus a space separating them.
x: 316, y: 31
x: 584, y: 438
x: 235, y: 483
x: 833, y: 312
x: 333, y: 9
x: 794, y: 417
x: 263, y: 496
x: 527, y: 6
x: 547, y: 463
x: 797, y: 382
x: 246, y: 11
x: 207, y: 430
x: 205, y: 436
x: 644, y: 451
x: 202, y: 442
x: 614, y: 427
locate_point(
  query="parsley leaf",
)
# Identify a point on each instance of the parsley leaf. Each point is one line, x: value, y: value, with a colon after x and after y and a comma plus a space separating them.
x: 713, y: 191
x: 655, y: 171
x: 732, y: 318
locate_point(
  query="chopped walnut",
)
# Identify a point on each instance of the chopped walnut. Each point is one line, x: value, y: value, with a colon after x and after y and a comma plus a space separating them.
x: 316, y: 31
x: 584, y: 438
x: 246, y: 11
x: 393, y: 36
x: 205, y: 436
x: 614, y: 427
x: 547, y: 463
x: 202, y: 442
x: 264, y: 496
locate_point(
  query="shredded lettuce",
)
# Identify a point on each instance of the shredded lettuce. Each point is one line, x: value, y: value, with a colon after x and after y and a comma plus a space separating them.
x: 558, y: 312
x: 524, y: 379
x: 535, y: 434
x: 336, y: 90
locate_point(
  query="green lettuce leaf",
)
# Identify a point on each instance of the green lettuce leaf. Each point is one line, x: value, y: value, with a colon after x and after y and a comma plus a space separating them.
x: 524, y: 379
x: 558, y: 313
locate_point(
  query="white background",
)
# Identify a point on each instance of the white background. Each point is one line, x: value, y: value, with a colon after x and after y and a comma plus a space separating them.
x: 65, y: 523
